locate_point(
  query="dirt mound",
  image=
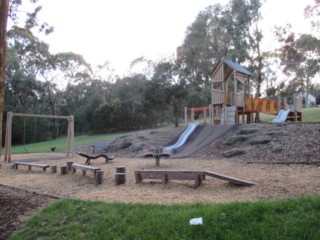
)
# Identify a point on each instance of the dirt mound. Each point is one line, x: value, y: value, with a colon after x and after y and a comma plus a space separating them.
x: 285, y: 143
x: 258, y: 143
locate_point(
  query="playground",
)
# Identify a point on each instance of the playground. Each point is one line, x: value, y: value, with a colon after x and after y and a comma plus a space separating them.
x: 272, y: 181
x: 280, y: 160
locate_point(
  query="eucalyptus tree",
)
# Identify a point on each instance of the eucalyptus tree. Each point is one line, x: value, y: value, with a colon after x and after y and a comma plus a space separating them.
x: 61, y: 72
x: 312, y: 12
x: 166, y: 90
x: 130, y: 91
x: 300, y: 58
x: 219, y: 32
x: 26, y: 57
x: 4, y: 7
x: 157, y: 92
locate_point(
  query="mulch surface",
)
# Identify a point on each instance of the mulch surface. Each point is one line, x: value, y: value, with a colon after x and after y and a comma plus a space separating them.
x: 16, y: 206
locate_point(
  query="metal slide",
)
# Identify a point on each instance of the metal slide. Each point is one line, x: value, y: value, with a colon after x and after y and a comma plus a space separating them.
x: 282, y: 116
x: 183, y: 138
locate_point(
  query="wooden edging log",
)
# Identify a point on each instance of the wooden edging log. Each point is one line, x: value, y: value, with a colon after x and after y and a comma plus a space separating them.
x: 287, y: 163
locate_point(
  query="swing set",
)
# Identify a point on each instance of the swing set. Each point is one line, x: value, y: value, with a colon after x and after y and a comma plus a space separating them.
x: 8, y: 138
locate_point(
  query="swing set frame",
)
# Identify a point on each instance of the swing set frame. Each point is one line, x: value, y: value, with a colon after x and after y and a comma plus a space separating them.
x: 8, y: 139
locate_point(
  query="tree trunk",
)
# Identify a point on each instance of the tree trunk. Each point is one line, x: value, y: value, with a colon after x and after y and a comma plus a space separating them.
x: 4, y: 6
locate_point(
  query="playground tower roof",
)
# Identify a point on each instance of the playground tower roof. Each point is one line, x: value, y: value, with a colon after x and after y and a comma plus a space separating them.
x: 232, y: 66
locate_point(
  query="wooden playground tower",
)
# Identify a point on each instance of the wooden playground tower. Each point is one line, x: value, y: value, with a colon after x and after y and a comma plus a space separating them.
x: 231, y: 98
x: 228, y: 97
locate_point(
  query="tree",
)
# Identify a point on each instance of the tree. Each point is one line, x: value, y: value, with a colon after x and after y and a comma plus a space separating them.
x: 4, y: 7
x: 157, y: 93
x: 222, y: 32
x: 313, y: 13
x: 25, y: 59
x: 299, y: 57
x: 131, y: 93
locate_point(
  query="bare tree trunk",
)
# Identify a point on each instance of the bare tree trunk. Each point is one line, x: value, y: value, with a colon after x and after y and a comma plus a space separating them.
x: 4, y: 6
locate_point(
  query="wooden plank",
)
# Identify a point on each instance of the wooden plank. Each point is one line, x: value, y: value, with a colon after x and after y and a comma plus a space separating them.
x: 85, y: 167
x: 39, y: 115
x: 43, y: 166
x: 197, y: 176
x: 229, y: 178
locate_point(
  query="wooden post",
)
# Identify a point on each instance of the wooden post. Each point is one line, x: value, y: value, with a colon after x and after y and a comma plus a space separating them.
x: 157, y: 160
x: 205, y: 115
x: 121, y: 169
x: 98, y: 178
x: 235, y: 88
x: 7, y: 156
x: 53, y: 169
x: 120, y: 178
x: 185, y: 115
x: 70, y: 135
x: 69, y: 166
x: 63, y: 170
x: 192, y: 114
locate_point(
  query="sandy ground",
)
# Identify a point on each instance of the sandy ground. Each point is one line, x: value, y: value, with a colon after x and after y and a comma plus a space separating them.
x: 272, y: 181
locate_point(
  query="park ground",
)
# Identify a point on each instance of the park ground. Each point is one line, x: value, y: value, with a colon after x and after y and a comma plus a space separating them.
x: 286, y: 166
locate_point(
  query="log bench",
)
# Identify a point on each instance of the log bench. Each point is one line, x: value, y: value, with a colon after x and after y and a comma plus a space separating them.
x: 30, y: 165
x: 166, y: 175
x: 97, y: 173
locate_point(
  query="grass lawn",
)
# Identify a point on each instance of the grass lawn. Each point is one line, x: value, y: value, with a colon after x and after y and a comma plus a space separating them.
x: 309, y: 115
x: 76, y: 219
x: 60, y: 144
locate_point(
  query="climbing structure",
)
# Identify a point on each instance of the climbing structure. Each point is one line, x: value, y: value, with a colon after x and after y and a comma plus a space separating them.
x: 228, y: 83
x: 231, y: 97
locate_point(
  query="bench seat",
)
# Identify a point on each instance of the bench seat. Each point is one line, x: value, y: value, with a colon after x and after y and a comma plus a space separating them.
x: 166, y: 175
x: 30, y: 165
x: 84, y: 168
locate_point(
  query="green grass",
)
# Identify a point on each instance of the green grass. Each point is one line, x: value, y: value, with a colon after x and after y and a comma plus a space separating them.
x: 76, y: 219
x: 60, y: 144
x: 309, y: 115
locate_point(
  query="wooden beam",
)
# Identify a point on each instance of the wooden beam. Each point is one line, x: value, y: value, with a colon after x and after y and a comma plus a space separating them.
x: 228, y: 178
x: 39, y: 116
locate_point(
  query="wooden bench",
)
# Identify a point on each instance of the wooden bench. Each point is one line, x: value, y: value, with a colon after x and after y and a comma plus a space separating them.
x: 166, y: 175
x: 30, y: 165
x: 84, y: 169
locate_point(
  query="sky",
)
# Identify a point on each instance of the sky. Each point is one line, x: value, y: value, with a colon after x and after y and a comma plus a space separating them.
x: 119, y: 31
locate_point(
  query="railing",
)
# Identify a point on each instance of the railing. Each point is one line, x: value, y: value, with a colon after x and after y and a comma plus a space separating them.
x: 217, y: 97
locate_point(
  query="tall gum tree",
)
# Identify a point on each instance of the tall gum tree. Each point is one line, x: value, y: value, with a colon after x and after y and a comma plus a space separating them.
x: 4, y: 6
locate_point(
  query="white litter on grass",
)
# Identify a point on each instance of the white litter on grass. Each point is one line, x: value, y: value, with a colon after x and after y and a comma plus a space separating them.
x: 196, y: 221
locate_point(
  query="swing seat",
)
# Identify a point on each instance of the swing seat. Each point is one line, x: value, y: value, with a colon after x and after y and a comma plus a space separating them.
x: 92, y: 157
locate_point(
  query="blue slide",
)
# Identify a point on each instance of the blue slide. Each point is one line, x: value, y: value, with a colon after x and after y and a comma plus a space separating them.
x: 183, y: 138
x: 282, y: 116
